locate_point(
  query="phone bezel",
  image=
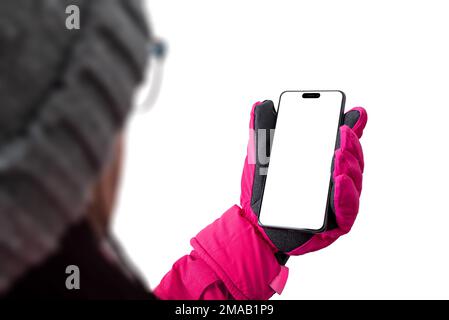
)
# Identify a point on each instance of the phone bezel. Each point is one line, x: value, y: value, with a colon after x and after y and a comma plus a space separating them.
x: 329, y: 195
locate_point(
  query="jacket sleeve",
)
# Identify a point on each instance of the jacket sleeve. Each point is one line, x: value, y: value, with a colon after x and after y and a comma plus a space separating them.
x: 191, y: 279
x: 230, y: 260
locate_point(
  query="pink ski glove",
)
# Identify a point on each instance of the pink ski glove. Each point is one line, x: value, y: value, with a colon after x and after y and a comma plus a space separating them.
x: 346, y: 179
x: 249, y: 259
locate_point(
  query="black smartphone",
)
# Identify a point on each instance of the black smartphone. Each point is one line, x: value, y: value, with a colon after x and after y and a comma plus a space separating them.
x: 298, y: 183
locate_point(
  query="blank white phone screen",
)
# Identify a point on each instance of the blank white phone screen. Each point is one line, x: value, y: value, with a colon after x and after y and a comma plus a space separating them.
x: 297, y: 184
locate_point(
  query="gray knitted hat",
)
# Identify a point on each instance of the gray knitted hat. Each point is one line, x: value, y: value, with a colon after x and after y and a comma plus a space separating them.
x: 64, y: 95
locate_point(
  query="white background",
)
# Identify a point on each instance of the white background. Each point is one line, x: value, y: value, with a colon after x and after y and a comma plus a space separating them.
x: 185, y: 157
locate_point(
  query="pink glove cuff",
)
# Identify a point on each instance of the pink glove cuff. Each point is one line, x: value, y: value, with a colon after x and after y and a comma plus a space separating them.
x: 241, y: 257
